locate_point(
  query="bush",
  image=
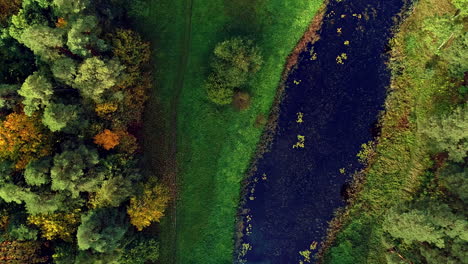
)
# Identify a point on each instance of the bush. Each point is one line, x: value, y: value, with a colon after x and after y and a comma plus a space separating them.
x: 234, y: 63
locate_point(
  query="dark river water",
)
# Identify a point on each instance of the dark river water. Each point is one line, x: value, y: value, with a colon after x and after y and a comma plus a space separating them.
x: 339, y: 87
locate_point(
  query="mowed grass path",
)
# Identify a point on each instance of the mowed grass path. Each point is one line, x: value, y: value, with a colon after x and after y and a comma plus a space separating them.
x: 215, y: 144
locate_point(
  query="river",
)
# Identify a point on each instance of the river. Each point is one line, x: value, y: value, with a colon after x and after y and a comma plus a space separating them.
x: 330, y: 106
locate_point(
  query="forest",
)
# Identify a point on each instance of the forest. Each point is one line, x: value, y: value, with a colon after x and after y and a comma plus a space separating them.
x: 74, y: 79
x: 126, y: 130
x: 409, y: 203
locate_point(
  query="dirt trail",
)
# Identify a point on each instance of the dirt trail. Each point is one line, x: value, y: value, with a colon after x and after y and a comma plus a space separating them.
x: 171, y: 174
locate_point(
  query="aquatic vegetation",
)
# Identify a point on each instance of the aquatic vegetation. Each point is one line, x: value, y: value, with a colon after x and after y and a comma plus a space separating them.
x: 313, y: 54
x: 300, y: 142
x: 341, y: 58
x: 300, y: 116
x: 246, y: 247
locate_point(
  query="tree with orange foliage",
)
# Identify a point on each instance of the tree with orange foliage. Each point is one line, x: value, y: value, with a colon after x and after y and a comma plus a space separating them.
x: 107, y: 139
x: 148, y: 207
x: 22, y: 139
x: 61, y: 22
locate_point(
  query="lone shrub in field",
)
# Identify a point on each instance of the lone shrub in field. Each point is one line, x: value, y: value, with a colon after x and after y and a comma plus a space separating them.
x: 234, y: 63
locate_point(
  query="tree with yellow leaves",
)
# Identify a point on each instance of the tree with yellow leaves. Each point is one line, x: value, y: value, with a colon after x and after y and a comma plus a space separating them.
x: 148, y: 207
x: 57, y: 225
x: 107, y: 139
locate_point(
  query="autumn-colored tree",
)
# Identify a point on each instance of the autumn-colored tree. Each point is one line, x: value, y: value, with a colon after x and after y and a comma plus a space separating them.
x: 128, y: 142
x: 22, y: 139
x: 8, y: 7
x: 19, y: 252
x: 107, y: 139
x: 61, y: 22
x: 57, y: 225
x: 105, y: 110
x: 148, y: 207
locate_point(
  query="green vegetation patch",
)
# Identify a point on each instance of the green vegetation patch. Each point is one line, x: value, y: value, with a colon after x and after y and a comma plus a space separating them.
x: 401, y: 210
x: 216, y: 143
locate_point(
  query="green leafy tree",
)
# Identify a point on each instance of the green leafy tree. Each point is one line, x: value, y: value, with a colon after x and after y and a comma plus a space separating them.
x: 43, y: 41
x: 96, y: 76
x: 235, y: 61
x: 131, y: 50
x: 68, y: 171
x: 8, y: 96
x: 431, y: 229
x: 37, y: 172
x: 82, y: 38
x: 66, y: 7
x: 22, y: 232
x: 454, y: 179
x: 141, y: 251
x: 448, y: 133
x: 48, y: 202
x: 64, y: 70
x: 37, y: 92
x: 456, y: 57
x: 102, y: 230
x: 60, y: 117
x: 112, y: 192
x: 413, y: 226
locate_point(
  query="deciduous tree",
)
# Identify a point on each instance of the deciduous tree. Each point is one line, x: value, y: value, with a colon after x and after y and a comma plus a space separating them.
x: 96, y: 76
x: 68, y: 171
x: 22, y: 139
x: 235, y: 61
x: 448, y: 133
x: 37, y: 92
x: 37, y: 172
x: 60, y: 117
x: 107, y: 139
x: 148, y: 207
x: 102, y: 230
x: 57, y: 225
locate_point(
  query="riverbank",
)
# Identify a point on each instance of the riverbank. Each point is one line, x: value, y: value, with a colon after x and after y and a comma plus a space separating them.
x: 310, y: 36
x: 214, y: 145
x: 400, y: 158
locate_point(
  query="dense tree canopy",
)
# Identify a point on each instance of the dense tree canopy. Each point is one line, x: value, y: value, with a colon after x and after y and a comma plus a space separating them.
x: 102, y: 230
x: 37, y: 92
x: 71, y: 171
x: 449, y: 133
x: 96, y: 76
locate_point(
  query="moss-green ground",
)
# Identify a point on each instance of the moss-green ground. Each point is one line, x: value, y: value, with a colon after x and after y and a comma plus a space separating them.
x: 214, y: 144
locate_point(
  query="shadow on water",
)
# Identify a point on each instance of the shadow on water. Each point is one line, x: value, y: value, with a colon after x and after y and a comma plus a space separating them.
x: 339, y: 87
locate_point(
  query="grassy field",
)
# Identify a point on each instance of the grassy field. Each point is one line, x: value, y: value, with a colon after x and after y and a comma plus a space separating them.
x: 420, y: 89
x: 214, y: 144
